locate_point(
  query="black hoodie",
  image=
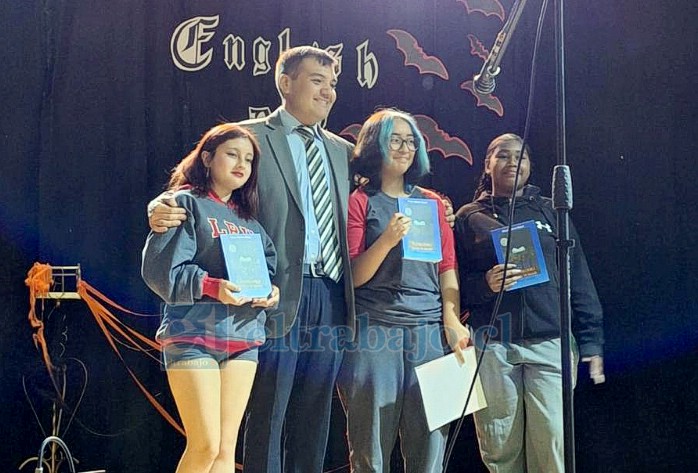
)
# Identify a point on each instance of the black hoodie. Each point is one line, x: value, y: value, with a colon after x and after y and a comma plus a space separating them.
x: 532, y: 312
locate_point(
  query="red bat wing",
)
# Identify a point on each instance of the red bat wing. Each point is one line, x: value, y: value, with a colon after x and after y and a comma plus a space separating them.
x: 438, y: 140
x: 488, y: 101
x: 486, y: 7
x: 477, y: 48
x: 351, y: 131
x: 415, y: 55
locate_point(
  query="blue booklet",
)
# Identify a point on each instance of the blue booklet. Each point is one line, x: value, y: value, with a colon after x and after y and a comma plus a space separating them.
x: 526, y: 252
x: 246, y: 264
x: 423, y: 242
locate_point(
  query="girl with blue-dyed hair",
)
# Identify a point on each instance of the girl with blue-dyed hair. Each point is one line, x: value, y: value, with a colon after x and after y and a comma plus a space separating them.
x: 377, y: 140
x: 404, y: 307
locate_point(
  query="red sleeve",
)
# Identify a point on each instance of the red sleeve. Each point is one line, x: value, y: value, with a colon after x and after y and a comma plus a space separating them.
x: 211, y: 287
x: 448, y: 251
x: 356, y: 223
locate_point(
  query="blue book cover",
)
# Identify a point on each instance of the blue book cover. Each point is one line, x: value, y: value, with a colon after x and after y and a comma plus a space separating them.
x: 246, y: 264
x: 423, y: 242
x: 526, y: 252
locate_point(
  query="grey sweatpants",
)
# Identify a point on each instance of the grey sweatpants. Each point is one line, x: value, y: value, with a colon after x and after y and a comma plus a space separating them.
x: 521, y: 429
x: 381, y: 398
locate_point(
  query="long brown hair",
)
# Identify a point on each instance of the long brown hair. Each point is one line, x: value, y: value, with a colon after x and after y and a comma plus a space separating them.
x: 192, y: 171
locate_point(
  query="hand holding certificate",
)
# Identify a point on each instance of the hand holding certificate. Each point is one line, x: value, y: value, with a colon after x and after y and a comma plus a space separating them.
x: 423, y: 241
x: 246, y: 264
x: 525, y: 253
x: 444, y: 384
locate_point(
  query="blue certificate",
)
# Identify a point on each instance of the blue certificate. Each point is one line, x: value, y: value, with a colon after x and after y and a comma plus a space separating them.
x: 525, y: 253
x: 246, y: 264
x: 423, y: 242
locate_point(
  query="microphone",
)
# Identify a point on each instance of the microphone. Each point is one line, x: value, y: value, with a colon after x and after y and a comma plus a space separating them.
x: 484, y: 82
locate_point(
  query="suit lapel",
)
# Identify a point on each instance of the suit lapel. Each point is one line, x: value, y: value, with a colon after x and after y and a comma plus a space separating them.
x: 282, y: 156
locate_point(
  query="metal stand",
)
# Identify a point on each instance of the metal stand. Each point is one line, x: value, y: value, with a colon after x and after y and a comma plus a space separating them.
x: 57, y: 440
x: 64, y: 283
x: 562, y: 202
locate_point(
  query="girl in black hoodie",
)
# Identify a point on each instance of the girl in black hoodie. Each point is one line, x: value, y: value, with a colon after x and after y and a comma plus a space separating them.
x: 521, y: 429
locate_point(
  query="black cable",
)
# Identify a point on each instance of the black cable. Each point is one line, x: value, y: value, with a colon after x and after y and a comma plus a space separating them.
x: 512, y: 202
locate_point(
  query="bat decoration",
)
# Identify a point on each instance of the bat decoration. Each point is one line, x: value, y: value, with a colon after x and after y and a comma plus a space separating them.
x: 352, y: 131
x: 488, y: 101
x: 415, y: 55
x: 439, y: 140
x: 477, y: 48
x: 486, y: 7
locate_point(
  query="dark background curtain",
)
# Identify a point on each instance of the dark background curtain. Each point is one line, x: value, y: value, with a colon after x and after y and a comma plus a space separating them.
x: 95, y: 113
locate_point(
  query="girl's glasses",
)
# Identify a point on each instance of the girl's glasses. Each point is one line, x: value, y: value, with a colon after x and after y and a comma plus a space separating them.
x: 396, y: 143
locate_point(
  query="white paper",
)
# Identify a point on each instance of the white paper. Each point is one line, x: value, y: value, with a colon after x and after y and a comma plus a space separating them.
x: 444, y: 383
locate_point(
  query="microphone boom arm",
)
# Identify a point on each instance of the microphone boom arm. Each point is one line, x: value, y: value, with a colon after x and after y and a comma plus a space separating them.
x: 484, y: 82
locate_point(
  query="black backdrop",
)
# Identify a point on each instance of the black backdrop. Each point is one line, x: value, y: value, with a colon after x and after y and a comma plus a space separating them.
x: 96, y: 110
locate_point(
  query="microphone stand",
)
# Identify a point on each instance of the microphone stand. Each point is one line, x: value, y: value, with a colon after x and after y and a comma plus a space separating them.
x: 562, y: 202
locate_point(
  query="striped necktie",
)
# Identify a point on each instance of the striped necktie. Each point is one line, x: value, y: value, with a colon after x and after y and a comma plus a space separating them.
x: 322, y: 203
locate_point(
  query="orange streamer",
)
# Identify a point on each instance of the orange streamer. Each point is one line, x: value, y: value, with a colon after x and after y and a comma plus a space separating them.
x: 104, y: 317
x: 39, y: 280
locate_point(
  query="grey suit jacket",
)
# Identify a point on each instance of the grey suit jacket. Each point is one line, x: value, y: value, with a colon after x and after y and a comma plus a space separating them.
x: 281, y: 215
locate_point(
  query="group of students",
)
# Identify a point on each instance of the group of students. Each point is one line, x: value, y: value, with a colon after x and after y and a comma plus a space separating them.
x: 339, y: 284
